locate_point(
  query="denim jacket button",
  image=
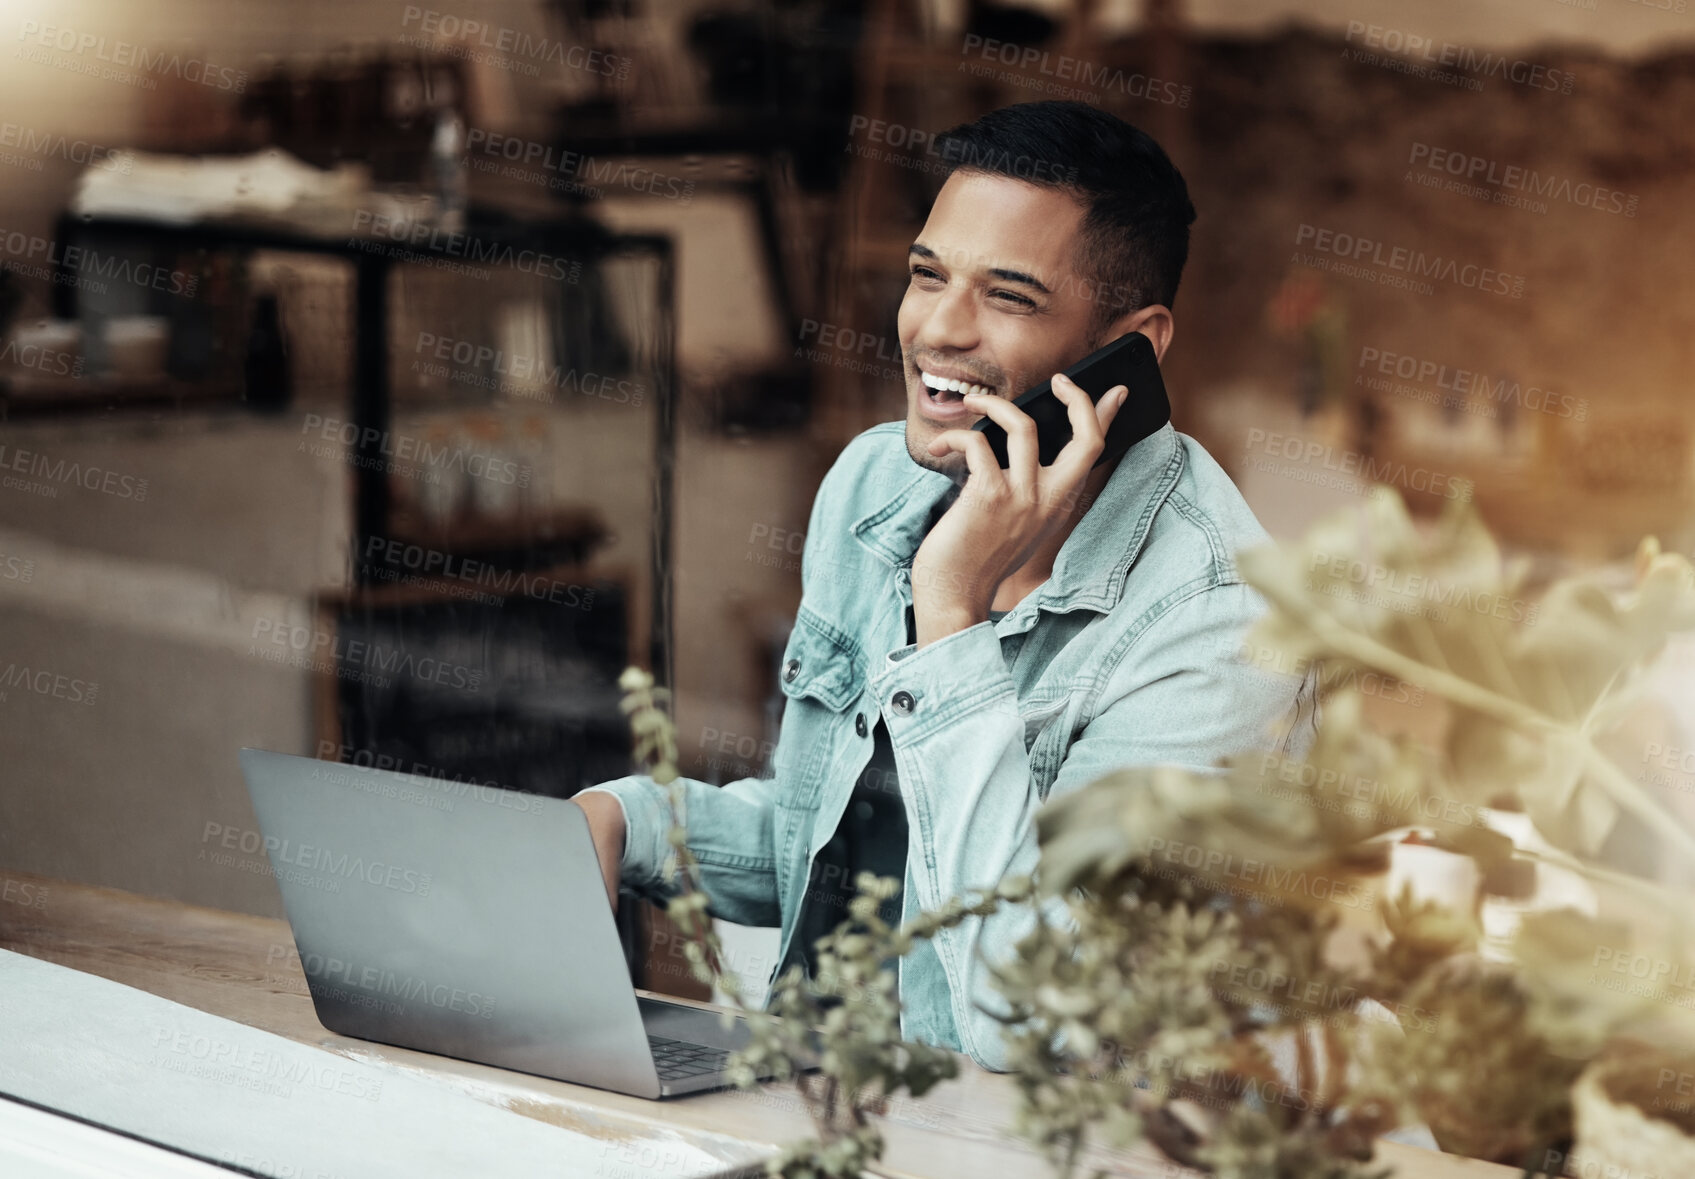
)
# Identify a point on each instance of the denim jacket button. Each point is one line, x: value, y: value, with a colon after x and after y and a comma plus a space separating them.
x: 859, y: 723
x: 902, y: 703
x: 790, y: 670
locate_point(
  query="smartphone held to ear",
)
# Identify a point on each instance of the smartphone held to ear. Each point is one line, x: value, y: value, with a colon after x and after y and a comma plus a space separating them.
x: 1129, y: 361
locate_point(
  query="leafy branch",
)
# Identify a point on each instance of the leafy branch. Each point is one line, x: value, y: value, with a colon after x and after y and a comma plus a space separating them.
x: 1139, y: 1006
x: 1530, y: 695
x: 846, y: 1019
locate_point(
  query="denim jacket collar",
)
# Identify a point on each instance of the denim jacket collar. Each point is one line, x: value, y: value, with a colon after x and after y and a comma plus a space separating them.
x: 1090, y: 569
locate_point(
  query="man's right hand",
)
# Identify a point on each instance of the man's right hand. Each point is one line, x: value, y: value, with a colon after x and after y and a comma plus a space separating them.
x: 606, y: 824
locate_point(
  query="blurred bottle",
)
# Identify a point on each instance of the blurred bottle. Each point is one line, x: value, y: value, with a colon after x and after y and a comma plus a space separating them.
x: 447, y: 166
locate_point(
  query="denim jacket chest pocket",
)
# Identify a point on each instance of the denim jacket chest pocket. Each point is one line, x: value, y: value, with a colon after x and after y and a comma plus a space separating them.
x: 1046, y: 725
x: 821, y: 674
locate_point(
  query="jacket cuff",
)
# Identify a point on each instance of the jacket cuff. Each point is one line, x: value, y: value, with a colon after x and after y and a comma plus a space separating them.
x: 647, y: 819
x: 923, y: 689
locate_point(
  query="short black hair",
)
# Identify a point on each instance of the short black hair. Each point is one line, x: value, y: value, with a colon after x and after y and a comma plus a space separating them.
x: 1134, y: 237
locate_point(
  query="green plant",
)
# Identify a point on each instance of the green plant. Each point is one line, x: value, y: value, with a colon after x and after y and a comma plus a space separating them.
x: 1525, y: 688
x: 849, y: 1015
x: 1134, y: 1010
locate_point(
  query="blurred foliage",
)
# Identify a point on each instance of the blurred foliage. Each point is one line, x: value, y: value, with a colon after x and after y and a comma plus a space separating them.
x: 846, y: 1020
x: 1180, y: 984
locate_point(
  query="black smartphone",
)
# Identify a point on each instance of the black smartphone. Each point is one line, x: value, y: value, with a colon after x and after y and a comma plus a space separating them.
x: 1129, y: 361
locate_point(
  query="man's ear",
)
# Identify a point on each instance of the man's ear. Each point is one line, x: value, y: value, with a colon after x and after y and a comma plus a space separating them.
x: 1153, y: 321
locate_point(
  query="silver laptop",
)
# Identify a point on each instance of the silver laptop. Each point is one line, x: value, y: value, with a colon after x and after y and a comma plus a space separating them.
x: 472, y: 922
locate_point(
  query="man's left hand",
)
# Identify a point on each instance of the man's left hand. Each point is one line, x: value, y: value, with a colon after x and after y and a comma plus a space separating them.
x: 1002, y: 516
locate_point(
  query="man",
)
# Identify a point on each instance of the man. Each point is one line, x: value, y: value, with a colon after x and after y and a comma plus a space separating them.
x: 971, y: 641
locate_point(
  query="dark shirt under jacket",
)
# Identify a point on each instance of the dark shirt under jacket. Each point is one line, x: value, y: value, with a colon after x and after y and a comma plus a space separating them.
x: 871, y: 837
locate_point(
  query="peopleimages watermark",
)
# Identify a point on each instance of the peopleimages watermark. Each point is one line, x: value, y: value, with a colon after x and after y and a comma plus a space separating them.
x: 775, y: 548
x: 572, y: 172
x: 112, y: 59
x: 1355, y: 256
x: 743, y: 755
x: 386, y: 990
x: 1327, y: 465
x: 1458, y: 388
x: 1277, y: 660
x: 261, y: 1069
x: 425, y: 244
x: 24, y: 893
x: 1412, y: 593
x: 1424, y: 56
x: 41, y: 474
x: 38, y: 358
x: 845, y: 348
x: 890, y: 143
x: 1644, y: 976
x: 401, y: 454
x: 281, y: 955
x: 646, y: 1159
x: 80, y: 266
x: 1251, y: 879
x: 16, y: 568
x: 673, y: 945
x: 1644, y: 968
x: 1253, y: 985
x: 264, y: 1164
x: 1469, y: 175
x: 501, y: 46
x: 41, y: 681
x: 1055, y: 73
x: 1360, y: 797
x: 410, y: 564
x: 1680, y: 1083
x: 1661, y: 761
x: 238, y: 850
x: 515, y: 373
x: 328, y: 866
x: 38, y: 146
x: 1219, y: 1087
x: 744, y: 745
x: 361, y: 769
x: 323, y: 650
x: 1580, y: 1164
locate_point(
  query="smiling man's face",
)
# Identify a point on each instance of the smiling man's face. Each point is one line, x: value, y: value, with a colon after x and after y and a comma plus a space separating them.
x: 992, y: 299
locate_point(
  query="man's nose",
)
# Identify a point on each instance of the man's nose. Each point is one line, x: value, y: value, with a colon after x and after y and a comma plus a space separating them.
x: 951, y: 323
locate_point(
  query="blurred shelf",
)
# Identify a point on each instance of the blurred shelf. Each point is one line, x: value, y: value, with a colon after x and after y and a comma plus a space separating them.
x: 374, y: 259
x: 81, y: 395
x: 518, y: 540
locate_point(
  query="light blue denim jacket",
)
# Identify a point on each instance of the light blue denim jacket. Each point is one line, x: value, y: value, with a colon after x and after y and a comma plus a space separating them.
x: 1129, y: 654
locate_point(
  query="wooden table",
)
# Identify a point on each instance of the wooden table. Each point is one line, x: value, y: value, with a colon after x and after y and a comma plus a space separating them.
x: 243, y: 968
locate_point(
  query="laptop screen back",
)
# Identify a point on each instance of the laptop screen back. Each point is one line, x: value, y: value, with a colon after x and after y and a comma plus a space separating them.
x: 451, y: 917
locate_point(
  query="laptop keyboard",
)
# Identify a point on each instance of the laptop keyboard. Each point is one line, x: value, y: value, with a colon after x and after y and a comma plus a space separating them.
x: 679, y: 1059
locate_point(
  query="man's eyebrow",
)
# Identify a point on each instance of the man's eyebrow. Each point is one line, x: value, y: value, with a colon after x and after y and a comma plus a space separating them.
x: 1017, y: 276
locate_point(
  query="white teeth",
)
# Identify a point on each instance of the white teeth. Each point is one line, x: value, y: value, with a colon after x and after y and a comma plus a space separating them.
x: 951, y: 384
